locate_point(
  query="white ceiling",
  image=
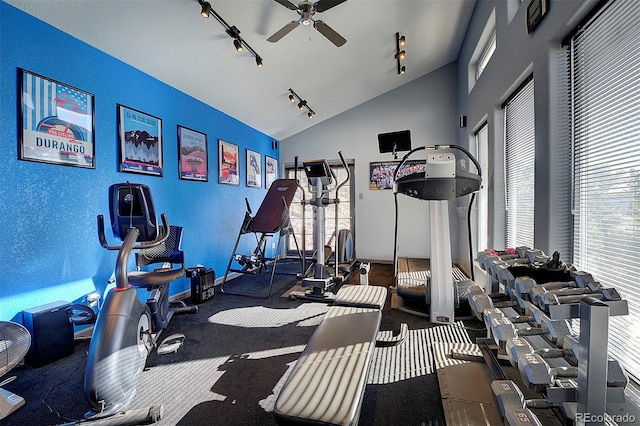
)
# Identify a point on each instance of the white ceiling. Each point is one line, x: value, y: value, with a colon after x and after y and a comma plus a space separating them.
x: 169, y: 40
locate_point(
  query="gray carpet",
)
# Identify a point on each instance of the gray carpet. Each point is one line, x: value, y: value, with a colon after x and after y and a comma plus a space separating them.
x: 236, y: 356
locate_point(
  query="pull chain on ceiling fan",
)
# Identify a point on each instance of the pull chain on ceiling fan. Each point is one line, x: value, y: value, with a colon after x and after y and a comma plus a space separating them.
x: 306, y: 10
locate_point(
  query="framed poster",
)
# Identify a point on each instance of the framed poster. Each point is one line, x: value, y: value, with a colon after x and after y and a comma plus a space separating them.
x: 192, y: 155
x: 140, y: 137
x: 56, y: 122
x: 381, y: 173
x: 254, y: 169
x: 228, y: 164
x: 270, y: 170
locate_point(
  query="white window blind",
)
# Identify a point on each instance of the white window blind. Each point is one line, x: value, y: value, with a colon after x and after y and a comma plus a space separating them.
x: 519, y: 166
x: 605, y: 57
x: 482, y: 200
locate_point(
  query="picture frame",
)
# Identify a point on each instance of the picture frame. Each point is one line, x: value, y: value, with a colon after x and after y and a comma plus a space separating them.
x: 270, y: 170
x: 254, y: 169
x: 381, y: 172
x: 57, y: 122
x: 228, y: 163
x: 140, y: 142
x: 193, y: 154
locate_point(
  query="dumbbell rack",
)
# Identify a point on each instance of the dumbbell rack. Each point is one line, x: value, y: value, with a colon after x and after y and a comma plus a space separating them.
x: 586, y: 401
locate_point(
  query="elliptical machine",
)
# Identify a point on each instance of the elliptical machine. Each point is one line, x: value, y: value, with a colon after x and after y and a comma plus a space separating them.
x: 322, y: 181
x: 127, y: 330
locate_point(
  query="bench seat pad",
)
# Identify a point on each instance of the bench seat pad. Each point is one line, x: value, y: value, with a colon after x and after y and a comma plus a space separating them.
x: 364, y: 296
x: 327, y: 383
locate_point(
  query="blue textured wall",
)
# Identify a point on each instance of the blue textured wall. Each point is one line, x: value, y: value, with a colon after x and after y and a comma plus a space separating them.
x: 48, y: 243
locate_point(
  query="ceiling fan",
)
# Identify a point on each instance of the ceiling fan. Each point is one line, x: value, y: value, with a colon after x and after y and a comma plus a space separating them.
x: 306, y: 10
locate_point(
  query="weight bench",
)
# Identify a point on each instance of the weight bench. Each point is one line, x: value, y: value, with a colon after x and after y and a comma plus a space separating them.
x: 326, y: 386
x: 361, y: 296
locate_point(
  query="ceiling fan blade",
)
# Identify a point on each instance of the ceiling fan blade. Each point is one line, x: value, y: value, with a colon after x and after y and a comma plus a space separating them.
x: 287, y: 4
x: 329, y: 33
x: 283, y: 31
x: 322, y: 5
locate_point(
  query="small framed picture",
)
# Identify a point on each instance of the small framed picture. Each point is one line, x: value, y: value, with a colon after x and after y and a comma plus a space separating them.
x: 193, y: 155
x: 56, y: 122
x: 228, y: 163
x: 270, y: 170
x: 254, y: 169
x: 140, y: 137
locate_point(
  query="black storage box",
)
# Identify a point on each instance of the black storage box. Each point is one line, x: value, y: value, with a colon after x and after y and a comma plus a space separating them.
x: 51, y: 333
x: 203, y: 281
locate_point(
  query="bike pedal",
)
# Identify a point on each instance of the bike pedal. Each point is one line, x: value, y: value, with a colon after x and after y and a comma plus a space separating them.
x: 171, y: 344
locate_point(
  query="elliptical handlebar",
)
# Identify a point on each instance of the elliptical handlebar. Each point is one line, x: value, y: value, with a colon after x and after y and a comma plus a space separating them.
x: 346, y: 168
x: 164, y: 234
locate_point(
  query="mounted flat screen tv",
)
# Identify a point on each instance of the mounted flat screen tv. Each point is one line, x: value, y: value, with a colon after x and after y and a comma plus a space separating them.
x: 394, y: 141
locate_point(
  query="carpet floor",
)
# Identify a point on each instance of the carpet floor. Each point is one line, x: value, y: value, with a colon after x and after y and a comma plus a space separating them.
x: 236, y: 356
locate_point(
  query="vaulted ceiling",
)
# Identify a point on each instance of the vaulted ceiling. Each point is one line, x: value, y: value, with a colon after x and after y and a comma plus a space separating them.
x: 171, y: 41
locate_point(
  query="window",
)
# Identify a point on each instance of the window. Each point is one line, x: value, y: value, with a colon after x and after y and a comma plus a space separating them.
x: 482, y: 201
x: 519, y: 166
x: 487, y: 52
x: 605, y: 57
x: 346, y: 218
x: 483, y: 51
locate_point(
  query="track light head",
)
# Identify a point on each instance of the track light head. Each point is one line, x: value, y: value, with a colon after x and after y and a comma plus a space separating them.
x: 301, y: 105
x: 292, y: 98
x: 258, y: 61
x: 401, y: 54
x: 237, y: 44
x: 401, y: 41
x: 402, y: 69
x: 206, y: 9
x: 310, y: 115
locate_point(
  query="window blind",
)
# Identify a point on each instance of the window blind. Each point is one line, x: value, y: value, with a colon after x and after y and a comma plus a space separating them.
x: 605, y: 71
x: 519, y: 166
x: 482, y: 200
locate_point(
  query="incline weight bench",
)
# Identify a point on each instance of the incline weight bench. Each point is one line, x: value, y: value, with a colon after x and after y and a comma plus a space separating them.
x: 327, y: 384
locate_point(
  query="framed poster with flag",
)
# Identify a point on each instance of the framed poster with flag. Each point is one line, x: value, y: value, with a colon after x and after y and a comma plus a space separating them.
x: 56, y: 122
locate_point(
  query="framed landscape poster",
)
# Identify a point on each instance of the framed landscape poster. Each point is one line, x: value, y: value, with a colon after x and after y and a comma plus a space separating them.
x: 56, y: 122
x: 140, y: 144
x: 192, y: 155
x: 228, y: 164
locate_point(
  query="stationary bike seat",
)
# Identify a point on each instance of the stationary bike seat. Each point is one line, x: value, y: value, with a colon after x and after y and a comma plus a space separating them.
x: 149, y: 279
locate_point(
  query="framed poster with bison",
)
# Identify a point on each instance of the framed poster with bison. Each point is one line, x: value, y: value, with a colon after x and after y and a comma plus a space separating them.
x: 192, y: 155
x: 140, y: 137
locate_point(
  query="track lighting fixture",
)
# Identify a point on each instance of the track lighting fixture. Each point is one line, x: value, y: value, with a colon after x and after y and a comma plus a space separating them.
x: 237, y: 44
x: 232, y: 31
x: 400, y: 54
x: 206, y: 9
x: 302, y: 104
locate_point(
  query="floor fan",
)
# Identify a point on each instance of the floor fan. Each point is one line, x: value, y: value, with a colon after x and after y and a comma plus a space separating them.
x: 15, y: 341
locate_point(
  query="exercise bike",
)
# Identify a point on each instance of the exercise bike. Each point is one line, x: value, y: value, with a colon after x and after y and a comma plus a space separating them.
x: 322, y: 181
x: 127, y: 330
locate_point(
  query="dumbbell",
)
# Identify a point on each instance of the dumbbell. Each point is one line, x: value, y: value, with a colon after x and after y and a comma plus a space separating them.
x: 555, y: 330
x: 538, y: 374
x: 514, y: 408
x: 479, y: 300
x: 517, y: 347
x: 526, y: 287
x: 606, y: 294
x: 532, y: 315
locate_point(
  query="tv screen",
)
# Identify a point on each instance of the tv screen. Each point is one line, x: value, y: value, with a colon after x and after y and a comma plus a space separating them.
x: 394, y: 141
